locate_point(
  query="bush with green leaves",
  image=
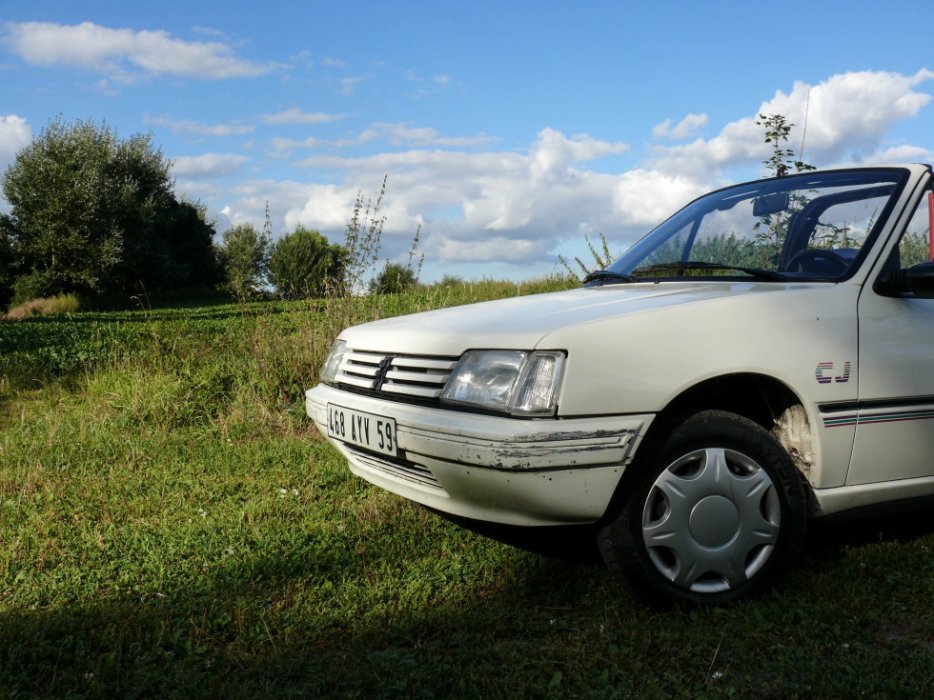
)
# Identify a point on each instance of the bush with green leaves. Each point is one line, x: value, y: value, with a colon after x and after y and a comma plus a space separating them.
x: 394, y: 279
x: 96, y: 214
x: 244, y: 255
x: 304, y: 264
x: 6, y: 264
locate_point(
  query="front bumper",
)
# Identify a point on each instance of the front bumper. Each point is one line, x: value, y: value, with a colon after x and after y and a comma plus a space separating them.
x: 491, y: 468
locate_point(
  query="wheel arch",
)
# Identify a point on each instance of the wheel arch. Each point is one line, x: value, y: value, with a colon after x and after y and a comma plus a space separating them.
x: 760, y: 398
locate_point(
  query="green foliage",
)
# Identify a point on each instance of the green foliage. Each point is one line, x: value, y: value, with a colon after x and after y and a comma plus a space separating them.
x: 451, y: 281
x: 192, y: 260
x: 395, y: 278
x: 602, y: 258
x: 362, y: 238
x: 777, y: 128
x: 96, y: 214
x: 245, y: 258
x: 914, y: 248
x: 7, y: 261
x: 303, y: 264
x: 172, y: 526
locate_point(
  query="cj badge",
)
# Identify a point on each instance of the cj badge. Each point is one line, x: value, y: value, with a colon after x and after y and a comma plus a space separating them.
x: 825, y: 373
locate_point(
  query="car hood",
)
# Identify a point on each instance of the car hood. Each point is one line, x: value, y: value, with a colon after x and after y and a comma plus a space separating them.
x: 523, y: 322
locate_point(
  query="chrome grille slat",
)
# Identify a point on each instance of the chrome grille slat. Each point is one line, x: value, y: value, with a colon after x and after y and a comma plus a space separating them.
x: 368, y: 357
x: 410, y: 390
x: 424, y: 363
x: 361, y: 370
x: 396, y: 376
x: 356, y: 381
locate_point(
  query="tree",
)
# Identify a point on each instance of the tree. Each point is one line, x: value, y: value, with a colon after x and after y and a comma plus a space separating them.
x: 6, y: 261
x: 394, y: 278
x: 189, y: 238
x: 92, y: 213
x: 303, y: 264
x: 777, y: 129
x: 245, y: 257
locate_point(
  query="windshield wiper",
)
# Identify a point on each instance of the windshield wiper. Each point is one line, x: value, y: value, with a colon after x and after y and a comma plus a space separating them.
x: 608, y: 276
x: 681, y: 267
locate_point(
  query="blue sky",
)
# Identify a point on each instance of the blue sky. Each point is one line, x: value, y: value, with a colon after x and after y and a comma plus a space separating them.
x: 508, y: 131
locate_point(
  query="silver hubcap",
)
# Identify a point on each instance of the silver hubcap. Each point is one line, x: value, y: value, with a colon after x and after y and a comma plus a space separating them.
x: 711, y: 520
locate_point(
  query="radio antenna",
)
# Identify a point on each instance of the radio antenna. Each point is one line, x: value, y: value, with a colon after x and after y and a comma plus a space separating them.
x: 804, y: 129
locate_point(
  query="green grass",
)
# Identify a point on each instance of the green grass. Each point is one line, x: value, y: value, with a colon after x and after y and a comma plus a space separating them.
x: 171, y: 525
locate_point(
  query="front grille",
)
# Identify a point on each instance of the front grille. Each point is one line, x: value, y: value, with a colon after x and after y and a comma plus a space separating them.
x: 395, y: 468
x: 399, y: 375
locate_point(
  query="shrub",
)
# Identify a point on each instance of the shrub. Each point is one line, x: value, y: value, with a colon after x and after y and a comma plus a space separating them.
x: 303, y: 264
x: 47, y: 306
x: 394, y: 278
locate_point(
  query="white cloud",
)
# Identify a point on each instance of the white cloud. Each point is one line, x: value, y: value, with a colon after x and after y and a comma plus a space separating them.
x: 514, y: 250
x: 283, y: 148
x: 395, y: 134
x: 349, y: 85
x: 904, y: 154
x: 403, y: 134
x: 847, y: 116
x: 180, y: 126
x: 297, y: 116
x: 486, y: 211
x: 121, y: 53
x: 682, y: 129
x: 488, y: 205
x: 332, y: 62
x: 207, y: 165
x: 15, y: 135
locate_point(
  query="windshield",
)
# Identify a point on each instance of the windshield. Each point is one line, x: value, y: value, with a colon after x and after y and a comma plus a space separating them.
x: 812, y: 226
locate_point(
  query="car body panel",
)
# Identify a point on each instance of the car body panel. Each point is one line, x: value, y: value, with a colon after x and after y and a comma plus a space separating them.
x: 521, y: 472
x: 633, y: 349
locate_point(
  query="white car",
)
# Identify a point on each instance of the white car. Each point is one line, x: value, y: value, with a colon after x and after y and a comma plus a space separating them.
x: 763, y: 357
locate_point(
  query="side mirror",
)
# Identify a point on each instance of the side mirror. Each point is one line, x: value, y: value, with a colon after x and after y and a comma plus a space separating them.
x: 917, y: 280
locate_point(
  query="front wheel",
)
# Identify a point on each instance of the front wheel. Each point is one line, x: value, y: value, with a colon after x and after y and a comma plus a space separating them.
x: 716, y: 512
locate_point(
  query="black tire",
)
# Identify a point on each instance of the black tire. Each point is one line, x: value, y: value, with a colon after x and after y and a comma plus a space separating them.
x: 715, y: 512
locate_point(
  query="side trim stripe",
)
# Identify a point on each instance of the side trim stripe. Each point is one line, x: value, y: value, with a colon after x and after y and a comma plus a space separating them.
x: 848, y: 419
x: 902, y: 402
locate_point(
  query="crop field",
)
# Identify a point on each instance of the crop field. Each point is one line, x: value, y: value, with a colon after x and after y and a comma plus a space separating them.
x: 171, y: 525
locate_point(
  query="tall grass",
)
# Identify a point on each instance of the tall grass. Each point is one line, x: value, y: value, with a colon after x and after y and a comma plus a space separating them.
x: 51, y: 306
x: 172, y: 526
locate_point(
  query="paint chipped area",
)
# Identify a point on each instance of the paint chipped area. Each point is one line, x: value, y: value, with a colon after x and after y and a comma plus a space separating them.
x: 557, y: 450
x: 793, y: 432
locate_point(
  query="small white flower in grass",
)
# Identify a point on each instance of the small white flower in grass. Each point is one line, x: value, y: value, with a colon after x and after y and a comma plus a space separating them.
x: 717, y: 675
x: 202, y: 512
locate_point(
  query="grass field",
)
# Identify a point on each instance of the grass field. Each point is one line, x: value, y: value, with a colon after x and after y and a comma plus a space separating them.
x: 172, y: 526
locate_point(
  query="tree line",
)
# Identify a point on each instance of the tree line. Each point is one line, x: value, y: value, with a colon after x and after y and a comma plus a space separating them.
x: 97, y: 216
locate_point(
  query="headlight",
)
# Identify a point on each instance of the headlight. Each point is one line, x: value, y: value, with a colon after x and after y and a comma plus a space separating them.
x: 512, y: 381
x: 333, y: 363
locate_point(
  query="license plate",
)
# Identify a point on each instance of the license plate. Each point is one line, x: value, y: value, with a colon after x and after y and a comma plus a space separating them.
x: 376, y: 433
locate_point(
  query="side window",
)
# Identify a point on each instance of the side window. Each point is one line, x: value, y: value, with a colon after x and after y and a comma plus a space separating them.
x: 915, y: 245
x: 844, y: 227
